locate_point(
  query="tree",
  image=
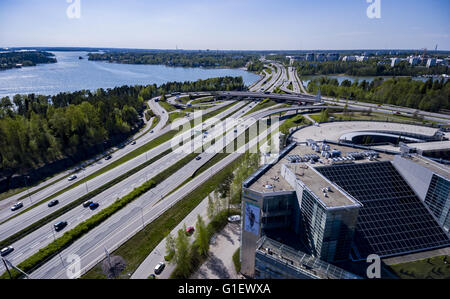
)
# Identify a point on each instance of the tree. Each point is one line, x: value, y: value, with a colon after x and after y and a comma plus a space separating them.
x: 170, y: 246
x: 202, y: 239
x: 324, y: 116
x: 224, y: 186
x: 210, y: 210
x: 181, y: 257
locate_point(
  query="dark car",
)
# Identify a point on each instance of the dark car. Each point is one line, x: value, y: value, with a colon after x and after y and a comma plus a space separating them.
x: 60, y: 225
x: 198, y: 158
x: 94, y: 205
x: 133, y: 143
x: 108, y: 158
x: 17, y: 206
x: 159, y: 268
x: 53, y: 203
x: 87, y: 204
x: 7, y: 250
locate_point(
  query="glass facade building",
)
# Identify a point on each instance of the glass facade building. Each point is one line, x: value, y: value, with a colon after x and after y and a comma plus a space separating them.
x: 438, y: 200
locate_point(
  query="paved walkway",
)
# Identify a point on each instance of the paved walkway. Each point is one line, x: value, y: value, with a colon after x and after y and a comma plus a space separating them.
x: 219, y: 264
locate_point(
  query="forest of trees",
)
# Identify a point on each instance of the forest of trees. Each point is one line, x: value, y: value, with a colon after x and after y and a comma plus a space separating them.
x: 36, y: 130
x: 256, y: 66
x: 368, y: 68
x: 207, y: 59
x: 11, y: 60
x: 431, y: 95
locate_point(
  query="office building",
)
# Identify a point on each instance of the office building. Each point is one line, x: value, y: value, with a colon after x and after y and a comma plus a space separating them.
x: 338, y: 203
x: 274, y: 260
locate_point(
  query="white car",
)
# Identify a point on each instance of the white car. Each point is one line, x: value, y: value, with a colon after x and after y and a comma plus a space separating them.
x: 7, y: 250
x: 235, y: 218
x: 71, y: 178
x: 17, y: 206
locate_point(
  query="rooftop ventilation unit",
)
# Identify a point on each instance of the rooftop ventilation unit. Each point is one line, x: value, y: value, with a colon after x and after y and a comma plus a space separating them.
x: 269, y: 187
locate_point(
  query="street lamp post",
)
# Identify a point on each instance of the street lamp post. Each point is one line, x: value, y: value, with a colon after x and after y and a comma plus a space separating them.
x: 59, y: 253
x: 28, y: 191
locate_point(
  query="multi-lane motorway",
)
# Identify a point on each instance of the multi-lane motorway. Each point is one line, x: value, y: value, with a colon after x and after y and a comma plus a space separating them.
x: 39, y: 238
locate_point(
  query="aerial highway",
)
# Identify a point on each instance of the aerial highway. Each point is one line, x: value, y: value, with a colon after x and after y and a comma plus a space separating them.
x: 90, y: 185
x: 21, y: 221
x: 124, y: 224
x: 41, y: 237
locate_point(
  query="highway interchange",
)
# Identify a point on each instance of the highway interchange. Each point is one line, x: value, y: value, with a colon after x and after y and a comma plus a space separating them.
x: 129, y: 220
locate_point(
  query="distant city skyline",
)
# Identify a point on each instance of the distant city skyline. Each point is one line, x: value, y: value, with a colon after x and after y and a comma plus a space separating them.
x: 226, y: 25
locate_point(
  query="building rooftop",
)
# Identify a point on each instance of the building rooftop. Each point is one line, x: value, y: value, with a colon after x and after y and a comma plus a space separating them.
x: 433, y: 166
x: 316, y: 183
x: 422, y: 146
x: 273, y: 181
x: 301, y: 261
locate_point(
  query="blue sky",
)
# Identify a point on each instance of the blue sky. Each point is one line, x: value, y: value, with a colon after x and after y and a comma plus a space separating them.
x: 227, y: 24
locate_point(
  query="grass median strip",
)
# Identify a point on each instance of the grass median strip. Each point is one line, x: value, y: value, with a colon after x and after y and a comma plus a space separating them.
x: 51, y: 250
x: 262, y: 105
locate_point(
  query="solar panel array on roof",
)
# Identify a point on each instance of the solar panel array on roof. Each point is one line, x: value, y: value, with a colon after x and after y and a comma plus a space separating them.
x: 392, y: 220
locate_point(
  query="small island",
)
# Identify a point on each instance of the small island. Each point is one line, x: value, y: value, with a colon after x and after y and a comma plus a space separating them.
x: 10, y: 60
x: 204, y: 59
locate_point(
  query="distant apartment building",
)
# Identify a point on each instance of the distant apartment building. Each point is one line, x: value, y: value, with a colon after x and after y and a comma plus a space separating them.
x: 394, y: 61
x: 414, y: 61
x: 320, y: 57
x: 349, y: 58
x: 431, y: 62
x: 332, y: 56
x: 334, y: 203
x: 310, y: 57
x: 362, y: 58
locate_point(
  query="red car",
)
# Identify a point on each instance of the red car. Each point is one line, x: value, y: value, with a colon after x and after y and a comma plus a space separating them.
x: 190, y: 230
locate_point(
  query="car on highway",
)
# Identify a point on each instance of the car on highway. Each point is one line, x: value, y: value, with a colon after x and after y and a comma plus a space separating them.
x: 159, y: 268
x: 94, y: 205
x: 133, y: 143
x: 235, y: 218
x: 7, y: 250
x: 108, y: 158
x: 60, y: 225
x: 87, y: 204
x: 151, y: 132
x: 17, y: 206
x: 71, y: 178
x: 198, y: 158
x: 53, y: 203
x: 190, y: 230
